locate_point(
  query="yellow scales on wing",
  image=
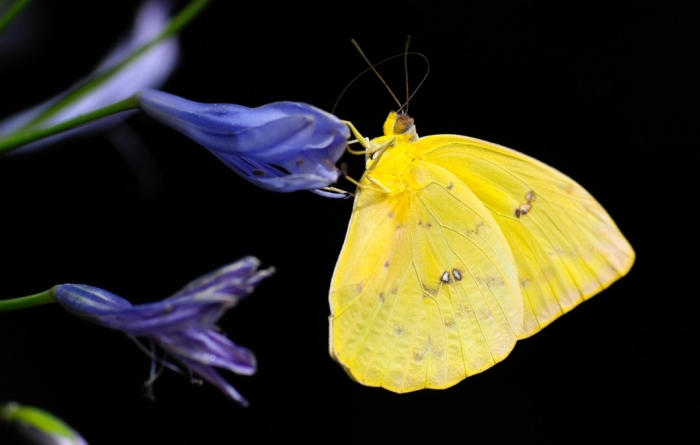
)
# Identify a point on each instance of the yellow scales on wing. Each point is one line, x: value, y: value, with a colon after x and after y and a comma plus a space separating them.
x: 457, y: 248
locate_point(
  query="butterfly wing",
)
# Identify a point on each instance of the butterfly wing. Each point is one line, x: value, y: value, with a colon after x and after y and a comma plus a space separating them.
x: 425, y: 292
x: 566, y: 246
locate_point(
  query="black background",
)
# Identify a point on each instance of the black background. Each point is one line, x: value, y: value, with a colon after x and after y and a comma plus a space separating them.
x: 603, y: 94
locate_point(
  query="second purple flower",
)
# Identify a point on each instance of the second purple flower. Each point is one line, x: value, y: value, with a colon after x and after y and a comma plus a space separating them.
x: 183, y: 324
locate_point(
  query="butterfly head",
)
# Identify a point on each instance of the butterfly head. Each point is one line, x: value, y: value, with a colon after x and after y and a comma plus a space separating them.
x: 400, y: 126
x: 398, y: 130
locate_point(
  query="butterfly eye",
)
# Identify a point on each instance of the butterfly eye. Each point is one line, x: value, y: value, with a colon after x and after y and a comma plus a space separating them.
x: 403, y: 124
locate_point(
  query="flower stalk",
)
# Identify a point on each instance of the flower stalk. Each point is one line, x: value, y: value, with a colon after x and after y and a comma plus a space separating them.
x: 24, y: 137
x: 12, y: 12
x: 185, y: 16
x: 39, y: 426
x: 39, y: 299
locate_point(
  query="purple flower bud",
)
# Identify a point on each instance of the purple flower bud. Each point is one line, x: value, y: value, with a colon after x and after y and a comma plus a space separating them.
x: 183, y: 324
x: 282, y: 146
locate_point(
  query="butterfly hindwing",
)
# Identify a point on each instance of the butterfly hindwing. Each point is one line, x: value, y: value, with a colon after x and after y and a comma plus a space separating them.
x: 425, y: 291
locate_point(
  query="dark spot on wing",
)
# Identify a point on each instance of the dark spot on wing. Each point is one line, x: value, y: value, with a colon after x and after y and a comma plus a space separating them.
x: 450, y: 185
x: 484, y: 314
x: 418, y: 355
x: 386, y: 263
x: 445, y: 278
x: 257, y: 172
x: 429, y: 290
x: 476, y: 229
x: 490, y: 281
x: 464, y: 311
x: 523, y: 209
x: 399, y: 330
x: 390, y: 215
x: 381, y: 296
x: 394, y: 290
x: 300, y: 162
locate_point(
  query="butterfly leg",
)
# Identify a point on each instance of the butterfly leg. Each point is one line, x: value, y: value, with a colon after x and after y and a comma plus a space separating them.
x: 360, y: 139
x: 375, y: 150
x: 382, y: 188
x: 378, y: 150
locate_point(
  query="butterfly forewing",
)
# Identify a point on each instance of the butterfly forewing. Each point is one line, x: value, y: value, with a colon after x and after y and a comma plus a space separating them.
x: 425, y: 291
x: 566, y: 247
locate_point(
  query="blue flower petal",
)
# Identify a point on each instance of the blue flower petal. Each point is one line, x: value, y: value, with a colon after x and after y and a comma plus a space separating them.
x: 209, y: 348
x: 238, y: 279
x: 210, y: 375
x: 283, y: 146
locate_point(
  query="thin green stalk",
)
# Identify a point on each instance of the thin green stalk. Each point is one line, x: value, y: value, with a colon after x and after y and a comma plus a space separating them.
x: 20, y: 138
x: 46, y: 427
x: 14, y: 304
x: 12, y: 13
x: 176, y: 24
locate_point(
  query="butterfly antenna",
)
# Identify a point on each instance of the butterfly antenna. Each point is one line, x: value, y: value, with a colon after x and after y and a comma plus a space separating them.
x: 405, y: 70
x: 372, y: 68
x: 375, y: 71
x: 427, y: 71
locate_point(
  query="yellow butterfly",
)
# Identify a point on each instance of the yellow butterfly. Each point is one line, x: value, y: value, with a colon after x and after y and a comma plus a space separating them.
x: 457, y: 248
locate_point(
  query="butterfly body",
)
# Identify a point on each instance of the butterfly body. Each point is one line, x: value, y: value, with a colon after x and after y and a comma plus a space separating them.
x: 457, y: 248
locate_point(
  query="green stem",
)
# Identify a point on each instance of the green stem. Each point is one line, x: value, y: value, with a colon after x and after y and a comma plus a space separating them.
x: 176, y: 24
x: 12, y: 13
x: 23, y: 137
x: 30, y: 301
